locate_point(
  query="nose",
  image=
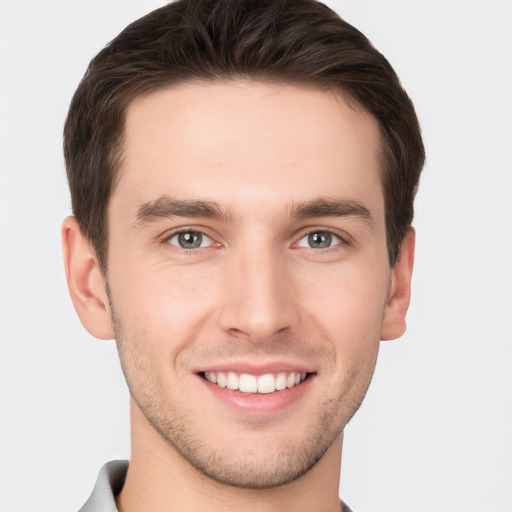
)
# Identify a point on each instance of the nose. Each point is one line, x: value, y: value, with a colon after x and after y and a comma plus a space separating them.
x: 258, y: 296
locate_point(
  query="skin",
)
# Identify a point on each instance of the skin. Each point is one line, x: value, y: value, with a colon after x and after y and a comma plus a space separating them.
x: 255, y: 292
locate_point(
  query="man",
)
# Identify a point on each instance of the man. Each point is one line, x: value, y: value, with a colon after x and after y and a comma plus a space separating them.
x: 242, y: 178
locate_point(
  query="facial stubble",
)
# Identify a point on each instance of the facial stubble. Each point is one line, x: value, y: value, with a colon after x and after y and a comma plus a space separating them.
x: 272, y: 464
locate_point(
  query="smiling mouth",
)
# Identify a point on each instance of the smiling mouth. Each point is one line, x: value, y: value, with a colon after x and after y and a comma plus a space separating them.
x: 261, y: 384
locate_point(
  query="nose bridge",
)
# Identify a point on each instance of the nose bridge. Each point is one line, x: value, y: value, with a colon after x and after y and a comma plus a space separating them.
x: 258, y: 302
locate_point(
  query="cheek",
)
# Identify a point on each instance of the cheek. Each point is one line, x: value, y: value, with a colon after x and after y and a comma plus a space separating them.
x: 163, y: 308
x: 348, y: 302
x: 348, y: 309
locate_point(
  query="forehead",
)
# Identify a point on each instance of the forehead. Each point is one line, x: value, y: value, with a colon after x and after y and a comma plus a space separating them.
x: 242, y: 141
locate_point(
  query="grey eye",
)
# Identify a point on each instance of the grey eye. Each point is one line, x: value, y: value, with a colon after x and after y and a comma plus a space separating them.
x: 319, y: 240
x: 190, y: 240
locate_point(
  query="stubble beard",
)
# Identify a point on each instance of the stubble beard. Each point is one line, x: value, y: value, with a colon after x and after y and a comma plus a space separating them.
x: 262, y: 469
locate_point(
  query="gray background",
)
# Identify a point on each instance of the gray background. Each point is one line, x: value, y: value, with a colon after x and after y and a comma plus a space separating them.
x: 435, y: 430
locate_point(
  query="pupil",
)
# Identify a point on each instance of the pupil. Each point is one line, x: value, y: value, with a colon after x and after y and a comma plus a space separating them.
x: 320, y: 240
x: 190, y: 240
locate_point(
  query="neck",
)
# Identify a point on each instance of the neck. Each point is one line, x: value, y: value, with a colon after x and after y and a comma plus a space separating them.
x: 159, y: 478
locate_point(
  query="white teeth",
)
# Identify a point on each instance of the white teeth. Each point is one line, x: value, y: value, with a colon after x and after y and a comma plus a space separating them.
x: 281, y: 381
x: 211, y: 376
x: 221, y: 379
x: 232, y: 381
x: 266, y: 383
x: 247, y: 383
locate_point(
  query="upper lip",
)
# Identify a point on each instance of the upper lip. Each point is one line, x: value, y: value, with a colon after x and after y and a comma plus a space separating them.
x: 252, y: 368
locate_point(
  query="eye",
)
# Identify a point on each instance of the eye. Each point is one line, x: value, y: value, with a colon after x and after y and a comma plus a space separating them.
x: 319, y: 240
x: 190, y: 240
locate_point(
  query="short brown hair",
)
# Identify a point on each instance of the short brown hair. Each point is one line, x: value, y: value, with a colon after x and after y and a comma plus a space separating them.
x: 300, y: 42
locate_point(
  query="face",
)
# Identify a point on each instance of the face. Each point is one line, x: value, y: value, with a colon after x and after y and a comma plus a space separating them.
x: 248, y: 272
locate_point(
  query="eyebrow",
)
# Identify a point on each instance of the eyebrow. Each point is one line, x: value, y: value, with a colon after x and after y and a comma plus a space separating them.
x: 330, y: 207
x: 167, y: 207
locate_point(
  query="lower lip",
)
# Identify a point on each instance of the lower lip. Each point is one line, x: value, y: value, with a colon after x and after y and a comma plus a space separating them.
x: 259, y: 403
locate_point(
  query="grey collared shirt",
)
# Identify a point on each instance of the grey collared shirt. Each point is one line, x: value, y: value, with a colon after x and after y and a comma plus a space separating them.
x: 110, y: 482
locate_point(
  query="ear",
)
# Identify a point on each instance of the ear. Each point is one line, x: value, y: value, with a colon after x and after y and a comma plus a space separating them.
x: 399, y: 296
x: 86, y: 283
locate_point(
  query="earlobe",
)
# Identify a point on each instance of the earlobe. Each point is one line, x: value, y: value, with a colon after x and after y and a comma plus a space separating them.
x: 86, y: 283
x: 394, y: 324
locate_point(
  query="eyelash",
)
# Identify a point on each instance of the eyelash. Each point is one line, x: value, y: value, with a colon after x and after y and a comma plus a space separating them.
x: 344, y: 240
x: 183, y: 250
